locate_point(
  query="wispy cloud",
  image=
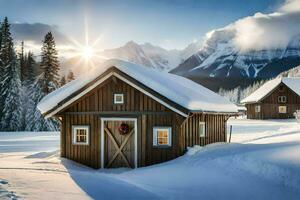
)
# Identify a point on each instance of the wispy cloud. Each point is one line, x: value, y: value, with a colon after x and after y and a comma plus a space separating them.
x: 264, y: 31
x: 35, y: 32
x: 33, y: 35
x: 290, y: 6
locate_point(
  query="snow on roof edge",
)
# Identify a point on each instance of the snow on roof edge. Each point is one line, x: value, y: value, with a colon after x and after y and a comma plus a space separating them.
x: 262, y: 91
x: 180, y: 90
x: 291, y: 82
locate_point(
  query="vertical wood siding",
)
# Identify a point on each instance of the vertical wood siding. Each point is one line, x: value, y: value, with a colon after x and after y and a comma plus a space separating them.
x: 98, y: 103
x: 215, y: 130
x: 270, y: 104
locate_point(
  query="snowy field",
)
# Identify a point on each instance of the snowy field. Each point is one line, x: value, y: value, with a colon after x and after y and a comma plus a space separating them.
x: 263, y: 162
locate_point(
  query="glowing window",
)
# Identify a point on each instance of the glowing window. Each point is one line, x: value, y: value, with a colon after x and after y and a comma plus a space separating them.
x: 162, y: 136
x: 282, y: 109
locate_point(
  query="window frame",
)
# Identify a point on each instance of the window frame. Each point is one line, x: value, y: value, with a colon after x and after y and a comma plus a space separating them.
x: 74, y: 135
x: 204, y: 130
x: 115, y: 98
x: 282, y: 112
x: 155, y: 138
x: 257, y: 110
x: 279, y: 99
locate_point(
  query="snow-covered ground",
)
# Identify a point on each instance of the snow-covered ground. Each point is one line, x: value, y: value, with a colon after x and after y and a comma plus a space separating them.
x: 263, y: 162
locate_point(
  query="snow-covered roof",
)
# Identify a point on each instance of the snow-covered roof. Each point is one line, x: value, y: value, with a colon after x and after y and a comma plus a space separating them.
x: 265, y: 89
x: 242, y: 108
x: 180, y: 90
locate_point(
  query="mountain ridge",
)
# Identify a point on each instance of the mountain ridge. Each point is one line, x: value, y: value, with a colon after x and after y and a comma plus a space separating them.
x: 145, y: 54
x: 221, y: 62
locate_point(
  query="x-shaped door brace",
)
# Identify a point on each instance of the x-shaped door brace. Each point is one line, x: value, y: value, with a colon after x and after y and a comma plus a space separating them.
x: 119, y: 148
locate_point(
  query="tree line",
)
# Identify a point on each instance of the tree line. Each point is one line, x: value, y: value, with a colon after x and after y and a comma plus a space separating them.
x: 24, y: 82
x: 236, y: 95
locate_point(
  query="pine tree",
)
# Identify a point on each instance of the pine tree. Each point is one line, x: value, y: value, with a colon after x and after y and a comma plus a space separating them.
x: 0, y: 37
x: 31, y: 68
x: 8, y: 61
x: 49, y: 64
x: 27, y: 87
x: 23, y: 65
x: 12, y: 110
x: 34, y: 118
x: 63, y: 81
x: 71, y: 76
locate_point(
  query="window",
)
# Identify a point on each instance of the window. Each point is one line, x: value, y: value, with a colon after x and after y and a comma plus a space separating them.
x: 257, y: 108
x: 282, y: 109
x: 162, y: 136
x: 202, y: 129
x: 80, y: 134
x: 282, y: 99
x: 118, y: 98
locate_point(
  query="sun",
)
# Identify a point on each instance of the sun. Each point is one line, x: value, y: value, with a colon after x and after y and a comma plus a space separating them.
x: 87, y: 52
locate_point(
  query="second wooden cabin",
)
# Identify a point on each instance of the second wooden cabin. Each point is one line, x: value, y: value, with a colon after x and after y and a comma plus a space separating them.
x: 276, y: 99
x: 125, y: 115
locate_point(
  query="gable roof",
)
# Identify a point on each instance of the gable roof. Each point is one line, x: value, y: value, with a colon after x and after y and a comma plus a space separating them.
x: 265, y: 89
x: 180, y: 90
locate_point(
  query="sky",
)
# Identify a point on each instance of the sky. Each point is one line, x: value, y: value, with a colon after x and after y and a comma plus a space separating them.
x: 171, y: 24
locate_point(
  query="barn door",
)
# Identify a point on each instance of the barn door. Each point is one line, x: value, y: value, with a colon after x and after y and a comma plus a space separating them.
x: 119, y: 143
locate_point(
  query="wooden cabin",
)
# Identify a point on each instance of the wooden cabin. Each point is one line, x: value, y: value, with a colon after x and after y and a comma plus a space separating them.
x: 276, y: 99
x: 125, y: 115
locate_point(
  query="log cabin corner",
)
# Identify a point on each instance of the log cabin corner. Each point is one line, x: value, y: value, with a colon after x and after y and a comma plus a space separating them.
x: 125, y: 115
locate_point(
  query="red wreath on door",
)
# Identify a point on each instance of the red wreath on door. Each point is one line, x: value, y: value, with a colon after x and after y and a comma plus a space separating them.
x: 123, y: 129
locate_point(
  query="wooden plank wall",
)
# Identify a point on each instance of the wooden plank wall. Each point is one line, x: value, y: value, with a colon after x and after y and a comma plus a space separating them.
x: 85, y: 154
x: 160, y: 154
x: 101, y: 99
x: 147, y: 154
x: 215, y: 127
x: 251, y: 114
x: 149, y: 113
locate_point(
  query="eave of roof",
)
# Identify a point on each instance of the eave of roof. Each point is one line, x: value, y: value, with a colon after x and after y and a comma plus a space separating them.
x: 177, y: 91
x: 255, y: 97
x: 113, y: 71
x: 293, y: 83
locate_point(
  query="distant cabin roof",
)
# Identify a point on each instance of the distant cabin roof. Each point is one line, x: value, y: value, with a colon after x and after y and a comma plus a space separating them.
x: 265, y: 89
x: 242, y: 108
x: 182, y: 91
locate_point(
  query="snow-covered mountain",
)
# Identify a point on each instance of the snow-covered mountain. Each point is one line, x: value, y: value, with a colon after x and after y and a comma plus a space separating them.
x: 150, y: 55
x: 145, y: 54
x: 220, y: 57
x: 222, y: 61
x: 294, y: 72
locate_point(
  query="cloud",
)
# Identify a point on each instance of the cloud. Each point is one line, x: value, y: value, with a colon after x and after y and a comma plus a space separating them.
x: 270, y: 31
x: 264, y: 31
x: 33, y: 35
x: 290, y: 6
x: 35, y: 32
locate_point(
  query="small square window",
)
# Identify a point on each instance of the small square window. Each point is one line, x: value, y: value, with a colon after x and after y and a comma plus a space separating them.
x: 162, y: 136
x: 282, y: 99
x: 282, y: 109
x: 257, y: 108
x: 80, y: 134
x: 118, y: 98
x: 202, y: 129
